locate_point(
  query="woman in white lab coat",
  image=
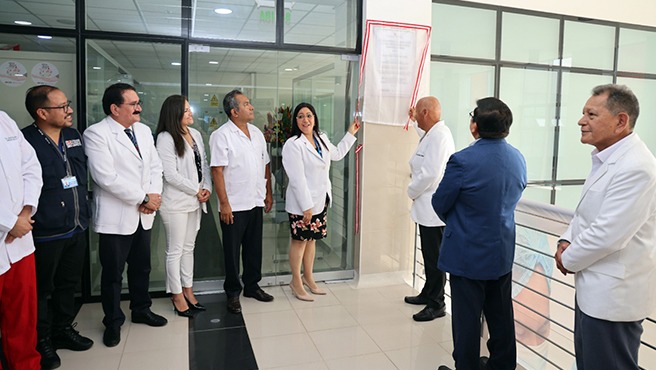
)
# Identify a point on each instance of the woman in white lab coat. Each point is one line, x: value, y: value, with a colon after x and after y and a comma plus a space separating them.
x: 187, y: 186
x: 306, y: 157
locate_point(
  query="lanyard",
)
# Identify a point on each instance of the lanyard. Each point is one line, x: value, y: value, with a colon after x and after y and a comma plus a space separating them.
x: 316, y: 142
x: 59, y: 148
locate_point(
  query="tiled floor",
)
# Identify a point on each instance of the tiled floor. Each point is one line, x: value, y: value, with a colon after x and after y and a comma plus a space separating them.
x: 358, y: 325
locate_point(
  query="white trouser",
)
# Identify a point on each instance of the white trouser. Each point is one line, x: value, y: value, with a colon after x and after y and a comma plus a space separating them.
x: 181, y: 230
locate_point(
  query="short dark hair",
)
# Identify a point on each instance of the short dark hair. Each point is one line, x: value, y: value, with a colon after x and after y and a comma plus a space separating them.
x: 36, y: 97
x: 620, y: 99
x: 230, y: 102
x: 170, y: 116
x: 114, y: 95
x: 493, y: 118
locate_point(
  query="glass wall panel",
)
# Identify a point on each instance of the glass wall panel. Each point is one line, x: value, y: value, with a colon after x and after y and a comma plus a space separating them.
x: 326, y: 22
x: 155, y: 17
x: 538, y: 193
x: 574, y: 157
x: 637, y: 51
x: 38, y: 13
x: 251, y: 20
x: 147, y: 67
x: 529, y: 39
x: 458, y: 86
x: 28, y: 61
x: 454, y: 35
x: 644, y: 90
x: 588, y: 45
x: 568, y: 196
x: 275, y: 82
x: 531, y: 96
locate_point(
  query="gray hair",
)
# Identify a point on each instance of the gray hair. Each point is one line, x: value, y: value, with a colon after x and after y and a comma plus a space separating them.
x: 620, y: 99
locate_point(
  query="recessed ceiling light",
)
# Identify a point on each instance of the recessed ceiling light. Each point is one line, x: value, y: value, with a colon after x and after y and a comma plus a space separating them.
x: 44, y: 37
x: 204, y: 99
x: 222, y: 11
x: 289, y: 69
x: 176, y: 63
x: 23, y: 23
x: 206, y: 94
x: 213, y: 62
x: 208, y: 84
x: 96, y: 68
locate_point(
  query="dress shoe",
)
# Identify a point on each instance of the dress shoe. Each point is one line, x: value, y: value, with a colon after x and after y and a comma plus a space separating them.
x: 49, y: 358
x: 149, y: 318
x: 259, y: 294
x: 112, y: 336
x: 195, y: 306
x: 429, y: 313
x: 443, y: 367
x: 186, y: 313
x: 317, y: 291
x: 233, y: 305
x: 416, y: 299
x: 69, y: 338
x: 483, y: 362
x: 302, y: 296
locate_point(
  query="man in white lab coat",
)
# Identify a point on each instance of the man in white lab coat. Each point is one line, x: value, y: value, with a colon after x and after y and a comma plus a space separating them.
x: 610, y: 244
x: 427, y: 166
x: 20, y: 187
x: 127, y: 188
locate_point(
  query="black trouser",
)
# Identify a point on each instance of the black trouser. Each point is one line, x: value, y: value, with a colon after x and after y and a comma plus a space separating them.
x: 115, y: 251
x: 470, y: 298
x: 244, y: 233
x: 431, y: 240
x: 58, y: 271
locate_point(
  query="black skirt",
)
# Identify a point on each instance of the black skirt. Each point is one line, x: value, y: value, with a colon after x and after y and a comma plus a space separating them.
x: 316, y: 229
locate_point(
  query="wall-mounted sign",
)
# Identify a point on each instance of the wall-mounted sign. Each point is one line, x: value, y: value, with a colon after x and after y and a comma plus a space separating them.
x: 13, y: 73
x: 45, y: 73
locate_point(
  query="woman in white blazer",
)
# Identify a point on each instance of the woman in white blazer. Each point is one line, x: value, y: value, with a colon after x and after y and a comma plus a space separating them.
x: 306, y: 158
x: 187, y: 186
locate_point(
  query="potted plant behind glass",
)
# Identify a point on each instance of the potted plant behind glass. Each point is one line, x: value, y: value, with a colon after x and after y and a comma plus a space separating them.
x: 276, y: 132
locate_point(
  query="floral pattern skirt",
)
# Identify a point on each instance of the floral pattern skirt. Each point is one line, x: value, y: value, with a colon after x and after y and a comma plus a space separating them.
x: 316, y: 229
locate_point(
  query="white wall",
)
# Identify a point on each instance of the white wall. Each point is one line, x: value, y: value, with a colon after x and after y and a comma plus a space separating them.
x: 387, y: 233
x: 628, y: 11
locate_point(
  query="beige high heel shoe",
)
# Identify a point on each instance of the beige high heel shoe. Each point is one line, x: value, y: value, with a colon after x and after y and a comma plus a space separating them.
x: 303, y: 297
x: 317, y: 291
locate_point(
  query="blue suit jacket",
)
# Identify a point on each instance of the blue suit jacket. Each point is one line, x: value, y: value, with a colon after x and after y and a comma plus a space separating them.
x: 476, y: 199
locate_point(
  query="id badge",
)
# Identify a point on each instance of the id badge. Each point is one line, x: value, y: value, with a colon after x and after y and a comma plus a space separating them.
x: 69, y: 182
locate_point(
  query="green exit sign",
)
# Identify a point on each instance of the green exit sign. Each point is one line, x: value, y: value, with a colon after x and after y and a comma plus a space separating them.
x: 269, y: 16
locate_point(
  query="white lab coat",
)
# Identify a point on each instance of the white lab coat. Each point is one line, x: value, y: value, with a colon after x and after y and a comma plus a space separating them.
x: 309, y: 173
x: 613, y: 237
x: 20, y: 185
x: 121, y: 177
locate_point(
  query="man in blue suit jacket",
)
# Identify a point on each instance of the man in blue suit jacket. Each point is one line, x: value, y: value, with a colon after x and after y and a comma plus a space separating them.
x: 476, y: 199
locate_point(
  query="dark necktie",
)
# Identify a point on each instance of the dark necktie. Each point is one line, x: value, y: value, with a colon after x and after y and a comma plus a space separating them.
x: 133, y: 139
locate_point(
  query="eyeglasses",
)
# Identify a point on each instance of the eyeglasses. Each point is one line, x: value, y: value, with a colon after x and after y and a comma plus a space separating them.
x: 63, y: 107
x: 301, y: 117
x: 134, y: 105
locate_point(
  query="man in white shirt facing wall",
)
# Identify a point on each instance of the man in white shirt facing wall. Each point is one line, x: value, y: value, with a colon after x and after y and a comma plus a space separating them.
x: 242, y: 179
x: 427, y: 166
x: 610, y: 244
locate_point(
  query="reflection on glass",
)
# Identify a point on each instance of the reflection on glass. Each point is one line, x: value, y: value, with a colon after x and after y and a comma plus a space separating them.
x: 644, y: 91
x: 134, y: 63
x: 38, y: 13
x: 327, y: 22
x: 531, y: 95
x: 458, y: 86
x: 543, y: 33
x: 455, y: 37
x: 250, y: 20
x: 155, y: 17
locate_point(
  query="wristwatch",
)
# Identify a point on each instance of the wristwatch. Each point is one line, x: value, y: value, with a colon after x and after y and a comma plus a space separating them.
x: 146, y: 200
